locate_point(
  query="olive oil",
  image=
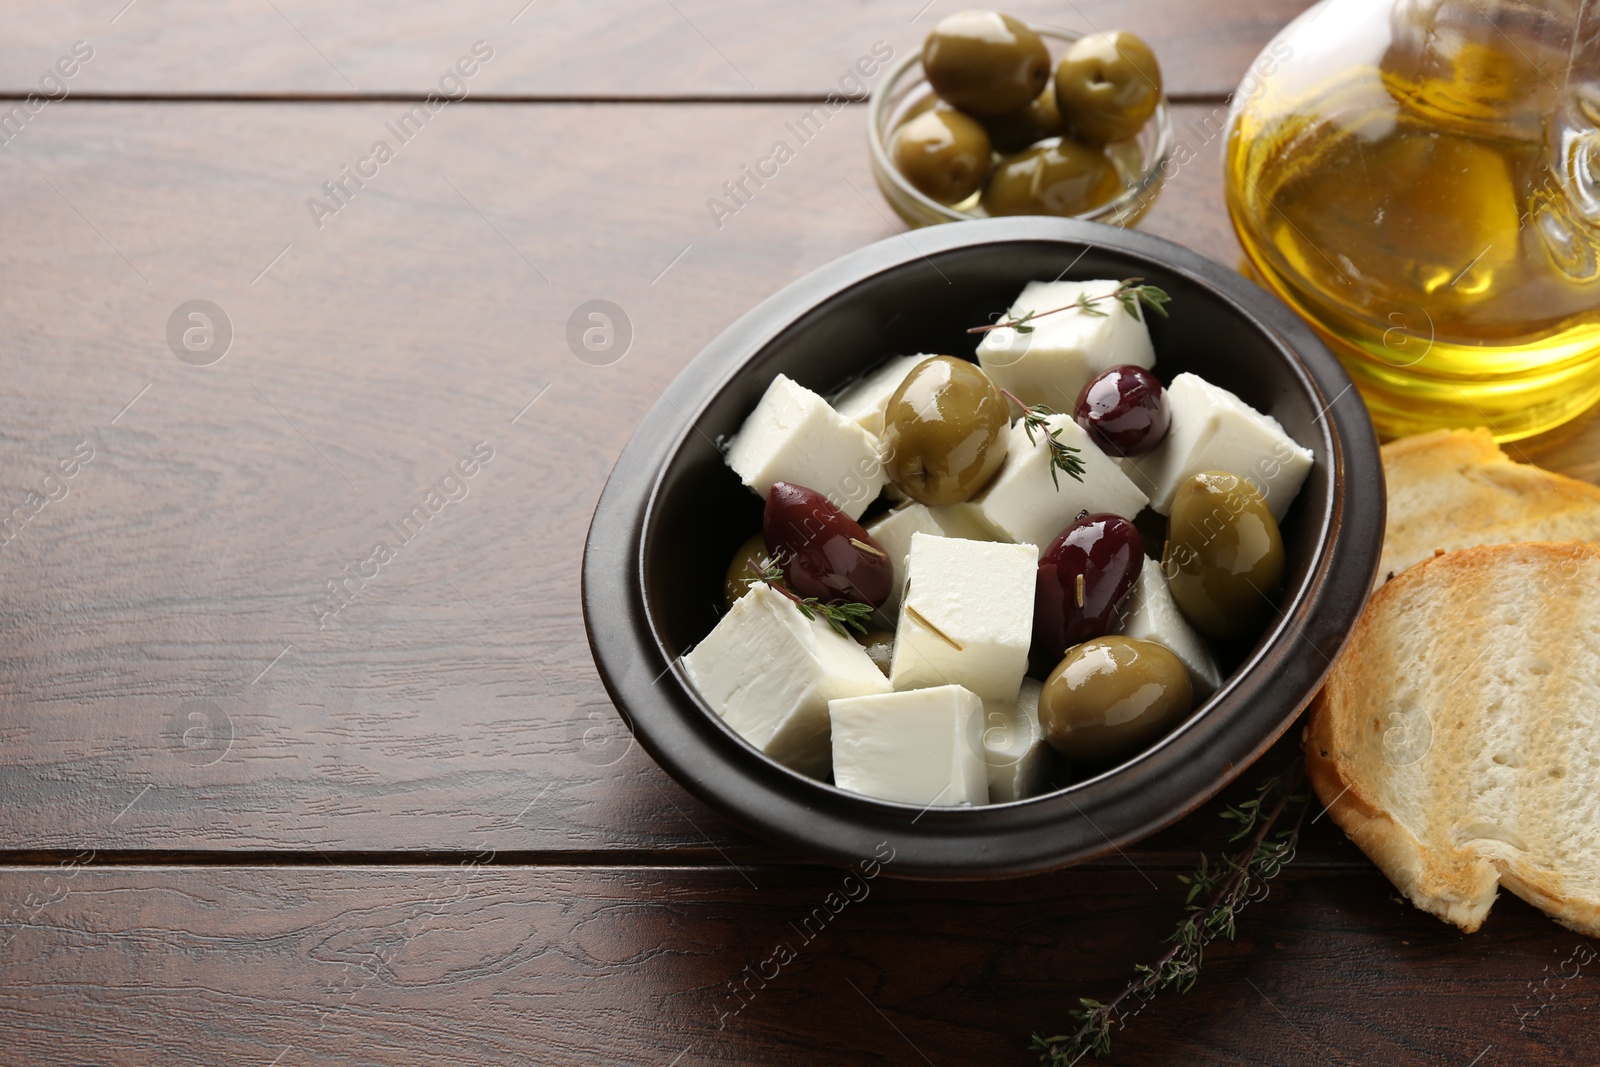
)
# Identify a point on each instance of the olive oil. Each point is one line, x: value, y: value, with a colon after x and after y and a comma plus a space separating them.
x: 1437, y: 218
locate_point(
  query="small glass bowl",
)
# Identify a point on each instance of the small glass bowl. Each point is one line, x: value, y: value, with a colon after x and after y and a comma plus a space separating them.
x: 1140, y: 161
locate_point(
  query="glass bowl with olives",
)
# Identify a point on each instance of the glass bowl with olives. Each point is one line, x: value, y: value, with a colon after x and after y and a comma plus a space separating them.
x: 681, y: 533
x: 997, y: 117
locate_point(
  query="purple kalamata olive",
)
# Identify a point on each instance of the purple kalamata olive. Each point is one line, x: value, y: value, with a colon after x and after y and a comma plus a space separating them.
x: 1083, y: 582
x: 1124, y: 411
x: 824, y: 553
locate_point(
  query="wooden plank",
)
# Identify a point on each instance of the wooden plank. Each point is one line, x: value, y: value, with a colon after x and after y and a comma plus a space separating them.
x: 174, y: 591
x: 620, y: 48
x: 481, y: 964
x: 453, y: 702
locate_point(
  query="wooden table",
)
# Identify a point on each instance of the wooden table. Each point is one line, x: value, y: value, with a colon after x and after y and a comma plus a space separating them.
x: 245, y: 821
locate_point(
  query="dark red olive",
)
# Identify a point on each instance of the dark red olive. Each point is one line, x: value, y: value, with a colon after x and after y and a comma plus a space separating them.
x: 824, y: 553
x: 1084, y: 580
x: 1124, y: 411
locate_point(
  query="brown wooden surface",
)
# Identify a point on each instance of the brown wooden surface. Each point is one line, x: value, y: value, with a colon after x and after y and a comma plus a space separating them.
x: 563, y: 48
x: 296, y: 889
x: 645, y: 965
x: 459, y: 686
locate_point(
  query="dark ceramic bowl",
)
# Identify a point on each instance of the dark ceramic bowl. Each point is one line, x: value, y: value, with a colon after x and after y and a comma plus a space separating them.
x: 672, y: 515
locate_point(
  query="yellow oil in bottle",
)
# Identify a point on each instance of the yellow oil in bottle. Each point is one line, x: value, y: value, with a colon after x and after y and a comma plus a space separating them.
x: 1431, y: 221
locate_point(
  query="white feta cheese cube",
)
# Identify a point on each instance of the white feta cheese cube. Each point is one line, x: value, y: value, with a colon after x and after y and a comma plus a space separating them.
x: 1051, y: 364
x: 769, y: 672
x: 893, y: 534
x: 918, y: 747
x: 863, y: 402
x: 966, y: 616
x: 1014, y: 749
x: 794, y: 436
x: 1152, y: 615
x: 1023, y: 503
x: 1212, y: 429
x: 964, y: 520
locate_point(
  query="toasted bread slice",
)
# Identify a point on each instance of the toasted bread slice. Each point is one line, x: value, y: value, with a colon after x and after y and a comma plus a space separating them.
x: 1454, y: 489
x: 1457, y: 740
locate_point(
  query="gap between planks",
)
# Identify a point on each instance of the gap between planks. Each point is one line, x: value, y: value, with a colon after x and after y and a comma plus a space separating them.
x: 376, y: 858
x: 487, y: 98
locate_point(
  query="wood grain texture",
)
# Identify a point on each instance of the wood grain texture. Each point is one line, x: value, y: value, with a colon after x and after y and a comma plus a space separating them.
x: 167, y: 693
x: 575, y: 966
x: 183, y: 572
x: 564, y: 48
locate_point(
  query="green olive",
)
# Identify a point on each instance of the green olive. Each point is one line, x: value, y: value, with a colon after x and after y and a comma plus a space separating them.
x: 945, y: 431
x: 985, y: 63
x: 1058, y: 177
x: 1111, y: 697
x: 943, y: 154
x: 1224, y: 555
x: 1016, y: 130
x: 747, y: 565
x: 1108, y: 86
x: 879, y: 647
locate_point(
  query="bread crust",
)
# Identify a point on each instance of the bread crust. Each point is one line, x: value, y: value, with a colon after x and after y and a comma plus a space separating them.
x: 1452, y: 489
x: 1455, y: 883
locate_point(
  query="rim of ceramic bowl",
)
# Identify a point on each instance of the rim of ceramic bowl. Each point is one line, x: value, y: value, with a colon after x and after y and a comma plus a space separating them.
x: 1091, y: 817
x: 1131, y: 203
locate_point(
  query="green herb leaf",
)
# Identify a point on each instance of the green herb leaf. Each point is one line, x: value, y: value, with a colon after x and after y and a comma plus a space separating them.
x: 1085, y: 305
x: 1227, y: 886
x: 843, y: 617
x: 1154, y: 299
x: 1131, y: 294
x: 771, y: 574
x: 1063, y: 457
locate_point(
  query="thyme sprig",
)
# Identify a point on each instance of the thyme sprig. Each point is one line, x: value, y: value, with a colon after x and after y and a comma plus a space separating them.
x: 1063, y: 457
x: 1130, y: 294
x: 1226, y: 888
x: 843, y: 617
